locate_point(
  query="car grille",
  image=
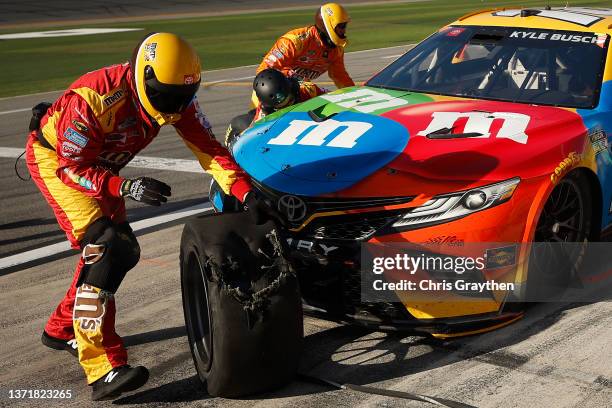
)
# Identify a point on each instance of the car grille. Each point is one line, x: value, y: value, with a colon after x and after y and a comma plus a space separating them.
x: 349, y: 227
x: 335, y: 227
x: 352, y: 304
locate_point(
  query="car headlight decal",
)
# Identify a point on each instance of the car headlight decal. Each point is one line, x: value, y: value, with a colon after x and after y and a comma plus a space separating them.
x: 448, y: 207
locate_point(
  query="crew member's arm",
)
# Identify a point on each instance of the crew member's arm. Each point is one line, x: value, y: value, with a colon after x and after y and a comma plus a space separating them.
x: 337, y: 72
x: 79, y: 142
x: 195, y: 130
x: 282, y: 56
x: 310, y: 90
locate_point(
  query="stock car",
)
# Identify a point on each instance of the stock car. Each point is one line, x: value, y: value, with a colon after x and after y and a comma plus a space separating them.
x: 496, y: 128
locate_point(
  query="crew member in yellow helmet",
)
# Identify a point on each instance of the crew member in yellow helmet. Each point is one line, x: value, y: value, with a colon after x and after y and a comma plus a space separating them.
x: 75, y: 150
x: 308, y: 52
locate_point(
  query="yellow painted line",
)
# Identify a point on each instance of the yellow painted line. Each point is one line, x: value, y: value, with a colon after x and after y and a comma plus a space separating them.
x: 468, y: 333
x: 242, y: 83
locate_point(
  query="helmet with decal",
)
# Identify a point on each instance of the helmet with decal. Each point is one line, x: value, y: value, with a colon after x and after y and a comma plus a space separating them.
x: 166, y: 73
x: 331, y: 20
x: 274, y: 90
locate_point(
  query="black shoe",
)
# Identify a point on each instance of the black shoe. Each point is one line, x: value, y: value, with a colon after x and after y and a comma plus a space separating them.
x: 119, y: 380
x: 60, y: 344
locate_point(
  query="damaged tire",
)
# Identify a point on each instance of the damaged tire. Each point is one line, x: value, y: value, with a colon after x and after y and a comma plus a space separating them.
x: 242, y: 305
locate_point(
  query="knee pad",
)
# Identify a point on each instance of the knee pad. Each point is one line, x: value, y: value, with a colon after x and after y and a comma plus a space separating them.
x: 109, y: 252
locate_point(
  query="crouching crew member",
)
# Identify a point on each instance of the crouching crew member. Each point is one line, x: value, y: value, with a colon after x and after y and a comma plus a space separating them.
x: 75, y: 150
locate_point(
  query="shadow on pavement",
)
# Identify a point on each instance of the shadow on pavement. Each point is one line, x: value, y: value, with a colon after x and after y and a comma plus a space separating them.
x: 184, y: 390
x: 355, y: 355
x: 155, y: 335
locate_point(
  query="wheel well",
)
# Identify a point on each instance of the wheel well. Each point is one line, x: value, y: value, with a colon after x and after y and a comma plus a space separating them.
x: 595, y: 190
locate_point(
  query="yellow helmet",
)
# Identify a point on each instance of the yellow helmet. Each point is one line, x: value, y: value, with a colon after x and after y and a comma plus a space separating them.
x: 331, y: 19
x: 166, y: 73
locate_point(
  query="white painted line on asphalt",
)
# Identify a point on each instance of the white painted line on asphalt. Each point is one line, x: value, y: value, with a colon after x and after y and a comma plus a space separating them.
x: 161, y: 163
x: 54, y: 249
x: 142, y: 162
x: 204, y: 84
x: 15, y: 111
x: 65, y: 33
x: 220, y: 81
x: 392, y: 56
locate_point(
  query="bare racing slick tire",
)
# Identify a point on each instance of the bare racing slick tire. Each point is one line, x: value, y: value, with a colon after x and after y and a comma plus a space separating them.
x: 561, y: 238
x: 243, y: 310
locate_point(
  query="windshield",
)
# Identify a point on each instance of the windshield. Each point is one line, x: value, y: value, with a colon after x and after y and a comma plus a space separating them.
x: 544, y: 67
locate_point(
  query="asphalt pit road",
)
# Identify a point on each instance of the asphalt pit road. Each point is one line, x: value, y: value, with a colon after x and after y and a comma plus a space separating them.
x: 364, y: 357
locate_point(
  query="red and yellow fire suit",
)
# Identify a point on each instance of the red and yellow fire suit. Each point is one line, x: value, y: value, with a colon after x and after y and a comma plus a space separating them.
x: 92, y: 131
x: 301, y: 52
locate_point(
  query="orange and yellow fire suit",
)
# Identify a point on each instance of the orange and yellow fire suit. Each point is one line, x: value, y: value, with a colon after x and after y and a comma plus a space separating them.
x: 302, y: 53
x: 92, y: 131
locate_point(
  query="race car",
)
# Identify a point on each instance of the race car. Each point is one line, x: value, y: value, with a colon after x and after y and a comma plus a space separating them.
x: 495, y: 129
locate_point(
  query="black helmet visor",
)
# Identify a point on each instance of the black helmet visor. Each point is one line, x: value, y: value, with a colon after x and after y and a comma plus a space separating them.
x: 169, y: 98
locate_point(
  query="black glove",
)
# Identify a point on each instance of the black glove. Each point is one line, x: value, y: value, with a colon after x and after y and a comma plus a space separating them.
x: 146, y: 190
x: 38, y: 112
x: 261, y: 210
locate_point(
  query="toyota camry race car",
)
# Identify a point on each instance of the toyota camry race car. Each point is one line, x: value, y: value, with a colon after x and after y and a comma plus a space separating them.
x: 495, y: 129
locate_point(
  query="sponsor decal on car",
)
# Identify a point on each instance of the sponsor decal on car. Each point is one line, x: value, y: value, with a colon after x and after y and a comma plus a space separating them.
x: 564, y: 167
x: 539, y: 35
x: 310, y: 246
x: 500, y: 257
x: 80, y: 127
x: 455, y: 32
x: 365, y: 100
x: 317, y: 133
x: 599, y: 140
x: 513, y: 127
x: 76, y: 137
x: 601, y: 39
x: 450, y: 240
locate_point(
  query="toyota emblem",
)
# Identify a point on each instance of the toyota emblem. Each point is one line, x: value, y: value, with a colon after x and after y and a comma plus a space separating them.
x: 293, y: 207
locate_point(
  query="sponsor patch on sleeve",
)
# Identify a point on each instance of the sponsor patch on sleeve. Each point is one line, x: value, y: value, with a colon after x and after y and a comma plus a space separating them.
x: 80, y: 126
x: 200, y: 116
x: 75, y: 137
x: 80, y: 180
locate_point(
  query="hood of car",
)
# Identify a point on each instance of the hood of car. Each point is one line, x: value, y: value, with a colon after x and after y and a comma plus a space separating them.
x: 347, y: 137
